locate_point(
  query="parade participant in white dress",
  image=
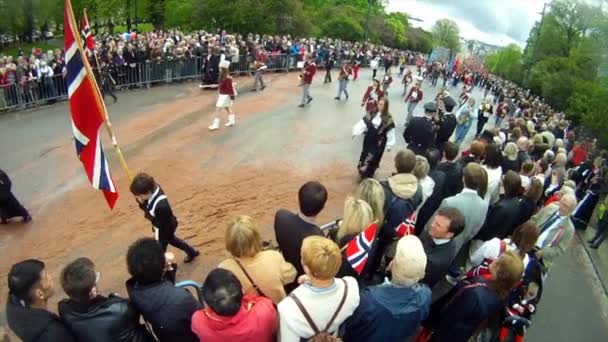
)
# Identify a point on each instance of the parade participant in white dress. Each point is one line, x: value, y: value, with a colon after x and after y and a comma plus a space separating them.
x: 225, y: 98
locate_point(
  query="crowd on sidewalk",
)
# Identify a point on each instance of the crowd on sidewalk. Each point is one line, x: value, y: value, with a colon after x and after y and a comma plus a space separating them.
x: 456, y: 243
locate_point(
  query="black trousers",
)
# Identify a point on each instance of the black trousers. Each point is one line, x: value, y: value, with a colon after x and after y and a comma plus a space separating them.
x: 481, y: 121
x: 602, y: 231
x: 327, y: 76
x: 11, y: 207
x: 177, y: 243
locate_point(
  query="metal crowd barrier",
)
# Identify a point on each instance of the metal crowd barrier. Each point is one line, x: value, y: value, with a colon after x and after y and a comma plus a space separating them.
x: 50, y: 89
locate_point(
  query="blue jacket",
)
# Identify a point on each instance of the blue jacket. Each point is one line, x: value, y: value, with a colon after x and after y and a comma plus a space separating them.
x: 388, y: 313
x: 295, y: 49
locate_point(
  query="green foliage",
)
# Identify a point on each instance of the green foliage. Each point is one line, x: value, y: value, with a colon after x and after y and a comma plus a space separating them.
x: 446, y: 33
x: 507, y: 63
x: 344, y: 27
x: 561, y: 63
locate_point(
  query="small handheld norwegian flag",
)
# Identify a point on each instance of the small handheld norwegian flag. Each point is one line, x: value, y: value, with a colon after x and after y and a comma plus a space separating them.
x: 357, y: 249
x: 407, y: 227
x: 87, y: 36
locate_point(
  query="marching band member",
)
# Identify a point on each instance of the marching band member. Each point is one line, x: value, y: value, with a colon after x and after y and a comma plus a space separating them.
x: 345, y: 72
x: 225, y: 98
x: 371, y: 97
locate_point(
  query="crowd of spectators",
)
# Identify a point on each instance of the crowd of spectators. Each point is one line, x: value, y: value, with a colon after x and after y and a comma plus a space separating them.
x: 141, y: 59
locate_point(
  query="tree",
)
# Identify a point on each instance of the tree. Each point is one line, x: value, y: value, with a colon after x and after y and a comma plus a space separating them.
x: 446, y: 33
x: 507, y: 63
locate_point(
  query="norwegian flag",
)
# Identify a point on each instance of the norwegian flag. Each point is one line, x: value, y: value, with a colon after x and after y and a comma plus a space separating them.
x: 87, y: 36
x: 357, y: 249
x: 87, y: 109
x: 407, y: 227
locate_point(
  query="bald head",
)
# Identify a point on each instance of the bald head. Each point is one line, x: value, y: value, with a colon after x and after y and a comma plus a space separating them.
x: 567, y: 204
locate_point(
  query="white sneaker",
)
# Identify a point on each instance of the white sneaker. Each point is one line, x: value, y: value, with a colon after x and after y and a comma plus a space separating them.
x: 231, y: 120
x: 215, y: 125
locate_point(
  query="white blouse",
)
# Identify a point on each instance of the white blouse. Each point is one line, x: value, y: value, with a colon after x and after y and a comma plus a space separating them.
x: 361, y: 128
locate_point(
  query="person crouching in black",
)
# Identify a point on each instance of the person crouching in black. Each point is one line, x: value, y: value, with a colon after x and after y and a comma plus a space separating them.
x: 9, y: 204
x: 153, y: 201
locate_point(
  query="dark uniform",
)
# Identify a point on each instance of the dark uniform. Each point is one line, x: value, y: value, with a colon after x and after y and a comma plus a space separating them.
x: 447, y: 124
x: 9, y: 205
x: 158, y: 211
x: 420, y: 131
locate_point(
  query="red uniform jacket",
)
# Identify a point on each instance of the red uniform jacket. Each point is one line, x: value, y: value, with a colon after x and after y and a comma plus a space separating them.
x: 414, y: 99
x: 309, y: 73
x: 371, y: 103
x: 226, y: 87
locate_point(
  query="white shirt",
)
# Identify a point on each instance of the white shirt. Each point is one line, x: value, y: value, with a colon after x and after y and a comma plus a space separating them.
x: 321, y: 304
x: 491, y: 250
x: 525, y: 181
x: 441, y: 241
x: 361, y: 128
x: 428, y: 185
x: 494, y: 177
x: 541, y: 242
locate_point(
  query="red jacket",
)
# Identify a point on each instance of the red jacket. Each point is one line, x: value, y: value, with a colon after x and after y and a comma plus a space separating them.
x: 371, y: 104
x: 414, y: 99
x: 256, y: 321
x: 309, y: 72
x: 226, y: 87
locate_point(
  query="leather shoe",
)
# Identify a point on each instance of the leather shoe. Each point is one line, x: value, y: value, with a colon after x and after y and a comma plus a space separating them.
x: 190, y: 258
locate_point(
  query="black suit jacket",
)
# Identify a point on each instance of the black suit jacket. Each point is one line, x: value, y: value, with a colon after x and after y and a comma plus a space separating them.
x: 419, y: 134
x: 448, y: 125
x: 453, y: 173
x: 501, y: 220
x: 433, y: 202
x: 439, y: 258
x: 290, y: 230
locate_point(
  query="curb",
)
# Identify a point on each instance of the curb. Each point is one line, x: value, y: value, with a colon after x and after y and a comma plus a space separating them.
x: 595, y: 269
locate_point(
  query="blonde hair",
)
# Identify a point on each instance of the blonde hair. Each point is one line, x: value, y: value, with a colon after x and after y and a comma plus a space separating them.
x: 422, y: 167
x: 509, y: 270
x: 372, y: 192
x: 321, y: 256
x: 357, y: 216
x: 511, y: 151
x: 242, y: 238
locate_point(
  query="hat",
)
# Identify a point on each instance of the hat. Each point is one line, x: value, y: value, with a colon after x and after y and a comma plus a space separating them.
x: 430, y: 107
x: 449, y: 103
x: 225, y: 64
x: 409, y: 262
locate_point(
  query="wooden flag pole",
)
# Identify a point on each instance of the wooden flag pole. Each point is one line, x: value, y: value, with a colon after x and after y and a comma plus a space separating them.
x: 105, y: 116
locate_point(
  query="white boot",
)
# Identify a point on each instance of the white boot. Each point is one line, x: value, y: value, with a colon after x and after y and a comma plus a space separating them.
x: 231, y: 120
x: 215, y: 125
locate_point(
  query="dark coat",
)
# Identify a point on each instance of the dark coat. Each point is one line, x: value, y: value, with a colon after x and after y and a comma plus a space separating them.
x: 439, y: 258
x: 458, y: 316
x: 290, y: 230
x: 513, y: 165
x: 104, y: 319
x: 167, y: 308
x: 161, y: 216
x: 419, y: 134
x: 453, y: 172
x: 388, y: 313
x: 446, y: 129
x: 35, y: 325
x: 501, y: 220
x: 433, y: 202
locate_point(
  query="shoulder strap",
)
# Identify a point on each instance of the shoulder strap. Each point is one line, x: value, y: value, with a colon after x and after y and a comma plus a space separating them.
x: 257, y: 289
x: 333, y: 318
x: 305, y: 313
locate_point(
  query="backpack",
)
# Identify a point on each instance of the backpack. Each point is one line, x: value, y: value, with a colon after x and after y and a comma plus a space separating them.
x: 322, y: 335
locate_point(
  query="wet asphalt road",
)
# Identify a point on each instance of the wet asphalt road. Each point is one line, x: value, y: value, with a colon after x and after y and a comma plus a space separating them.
x: 574, y: 308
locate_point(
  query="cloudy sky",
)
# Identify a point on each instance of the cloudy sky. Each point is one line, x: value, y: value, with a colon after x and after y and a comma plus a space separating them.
x: 498, y: 22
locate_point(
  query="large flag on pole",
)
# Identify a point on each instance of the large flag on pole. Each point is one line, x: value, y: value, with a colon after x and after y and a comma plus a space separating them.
x: 88, y: 113
x: 87, y: 36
